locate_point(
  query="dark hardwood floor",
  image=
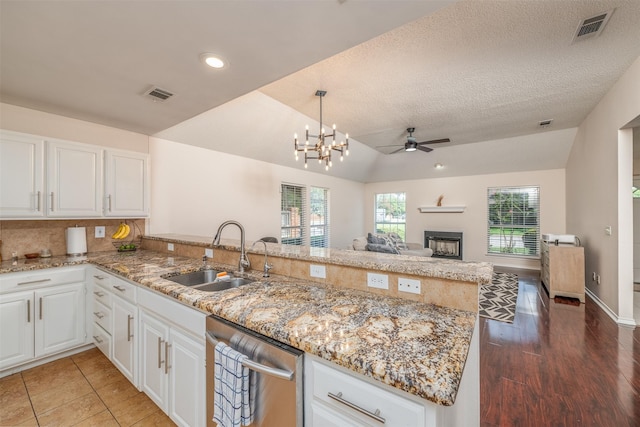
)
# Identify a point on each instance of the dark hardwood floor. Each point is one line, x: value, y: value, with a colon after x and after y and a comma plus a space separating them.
x: 558, y: 364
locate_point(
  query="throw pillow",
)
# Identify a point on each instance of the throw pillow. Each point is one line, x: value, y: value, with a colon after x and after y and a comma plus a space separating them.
x: 376, y: 247
x: 360, y: 243
x: 397, y: 241
x: 376, y: 239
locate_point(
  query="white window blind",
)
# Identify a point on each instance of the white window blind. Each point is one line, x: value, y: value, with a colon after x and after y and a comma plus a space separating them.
x: 391, y: 213
x: 319, y: 217
x: 513, y: 221
x: 293, y: 208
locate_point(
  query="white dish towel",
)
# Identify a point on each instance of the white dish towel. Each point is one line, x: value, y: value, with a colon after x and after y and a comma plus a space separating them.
x: 231, y: 389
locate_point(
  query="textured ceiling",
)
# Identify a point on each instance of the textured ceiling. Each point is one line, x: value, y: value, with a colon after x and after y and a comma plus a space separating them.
x: 92, y: 60
x: 482, y: 73
x: 474, y: 71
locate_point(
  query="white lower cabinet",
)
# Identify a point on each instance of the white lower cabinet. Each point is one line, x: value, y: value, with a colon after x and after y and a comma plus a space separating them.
x: 41, y: 313
x: 172, y: 359
x: 124, y: 337
x: 335, y: 397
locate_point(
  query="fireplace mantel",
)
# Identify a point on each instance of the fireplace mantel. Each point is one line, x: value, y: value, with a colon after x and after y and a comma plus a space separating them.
x: 442, y: 209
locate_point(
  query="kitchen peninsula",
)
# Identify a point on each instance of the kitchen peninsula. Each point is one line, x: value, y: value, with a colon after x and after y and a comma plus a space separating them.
x: 420, y: 349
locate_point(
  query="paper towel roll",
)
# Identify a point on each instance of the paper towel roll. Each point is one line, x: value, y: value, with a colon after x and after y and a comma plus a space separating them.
x: 76, y: 241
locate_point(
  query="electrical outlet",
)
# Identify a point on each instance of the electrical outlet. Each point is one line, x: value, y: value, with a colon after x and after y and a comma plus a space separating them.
x: 170, y: 247
x: 375, y: 280
x: 317, y: 271
x: 208, y: 253
x: 411, y: 286
x: 99, y: 232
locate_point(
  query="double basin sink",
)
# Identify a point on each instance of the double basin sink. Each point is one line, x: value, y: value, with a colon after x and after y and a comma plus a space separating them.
x: 205, y: 280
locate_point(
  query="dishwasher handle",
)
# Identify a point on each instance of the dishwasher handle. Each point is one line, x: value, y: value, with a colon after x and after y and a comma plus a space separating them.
x: 255, y: 366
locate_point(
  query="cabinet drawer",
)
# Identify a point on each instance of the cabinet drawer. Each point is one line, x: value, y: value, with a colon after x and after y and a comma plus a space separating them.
x: 102, y: 279
x: 396, y: 410
x: 102, y: 296
x: 12, y: 282
x: 102, y: 316
x: 102, y: 340
x: 123, y: 289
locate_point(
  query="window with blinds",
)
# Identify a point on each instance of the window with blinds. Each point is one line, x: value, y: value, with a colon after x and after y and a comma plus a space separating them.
x: 391, y: 213
x: 319, y: 217
x: 513, y: 221
x: 293, y: 219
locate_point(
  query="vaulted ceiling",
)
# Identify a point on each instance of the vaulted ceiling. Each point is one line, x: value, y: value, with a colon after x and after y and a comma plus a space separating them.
x: 482, y: 73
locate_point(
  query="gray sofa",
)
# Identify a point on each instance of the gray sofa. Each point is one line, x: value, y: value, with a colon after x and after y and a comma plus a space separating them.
x: 389, y: 243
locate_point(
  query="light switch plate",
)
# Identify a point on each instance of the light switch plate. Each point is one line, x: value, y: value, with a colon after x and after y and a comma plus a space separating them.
x: 317, y: 271
x: 411, y: 286
x: 208, y: 253
x: 99, y: 232
x: 375, y: 280
x: 170, y: 247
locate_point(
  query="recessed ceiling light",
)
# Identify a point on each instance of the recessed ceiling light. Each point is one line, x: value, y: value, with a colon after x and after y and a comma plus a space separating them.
x: 212, y: 60
x: 438, y: 166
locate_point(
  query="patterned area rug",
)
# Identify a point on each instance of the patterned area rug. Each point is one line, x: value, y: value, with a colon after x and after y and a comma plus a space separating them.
x: 498, y: 300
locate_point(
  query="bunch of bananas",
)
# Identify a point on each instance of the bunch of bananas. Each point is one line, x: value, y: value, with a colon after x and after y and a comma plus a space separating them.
x: 122, y: 231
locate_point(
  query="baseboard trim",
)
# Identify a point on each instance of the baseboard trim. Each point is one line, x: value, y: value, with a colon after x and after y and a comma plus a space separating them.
x: 623, y: 321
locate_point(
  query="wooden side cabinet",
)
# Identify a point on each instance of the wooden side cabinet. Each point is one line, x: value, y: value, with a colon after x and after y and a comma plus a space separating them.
x: 562, y: 270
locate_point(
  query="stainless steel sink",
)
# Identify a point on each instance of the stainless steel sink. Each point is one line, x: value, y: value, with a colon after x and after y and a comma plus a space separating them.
x: 204, y: 280
x: 196, y: 278
x: 223, y: 285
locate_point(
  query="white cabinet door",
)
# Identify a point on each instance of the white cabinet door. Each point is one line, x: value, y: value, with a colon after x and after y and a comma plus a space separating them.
x: 16, y: 328
x: 154, y: 380
x: 123, y: 335
x: 74, y: 180
x: 60, y: 318
x: 187, y: 380
x: 21, y: 177
x: 126, y: 184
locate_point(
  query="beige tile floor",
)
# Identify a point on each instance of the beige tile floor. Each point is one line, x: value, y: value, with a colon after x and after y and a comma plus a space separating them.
x: 81, y: 390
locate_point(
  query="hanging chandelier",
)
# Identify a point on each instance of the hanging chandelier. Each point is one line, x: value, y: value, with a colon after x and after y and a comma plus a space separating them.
x: 325, y: 143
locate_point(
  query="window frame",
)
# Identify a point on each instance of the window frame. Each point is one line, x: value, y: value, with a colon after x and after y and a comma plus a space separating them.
x: 399, y: 227
x: 523, y: 236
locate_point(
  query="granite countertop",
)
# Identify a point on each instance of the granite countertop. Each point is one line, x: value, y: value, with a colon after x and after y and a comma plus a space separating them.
x: 416, y: 347
x: 468, y: 271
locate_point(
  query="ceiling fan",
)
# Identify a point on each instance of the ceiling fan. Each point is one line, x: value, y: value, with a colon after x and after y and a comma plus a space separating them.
x: 412, y: 145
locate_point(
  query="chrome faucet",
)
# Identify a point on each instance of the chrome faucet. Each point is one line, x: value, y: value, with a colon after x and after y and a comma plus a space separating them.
x: 267, y: 266
x: 244, y: 261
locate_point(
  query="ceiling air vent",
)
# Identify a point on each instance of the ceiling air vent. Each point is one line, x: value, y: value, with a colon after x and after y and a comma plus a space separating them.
x: 157, y: 95
x: 592, y: 27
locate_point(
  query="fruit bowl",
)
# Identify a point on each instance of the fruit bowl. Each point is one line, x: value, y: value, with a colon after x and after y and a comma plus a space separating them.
x: 127, y: 238
x: 126, y: 246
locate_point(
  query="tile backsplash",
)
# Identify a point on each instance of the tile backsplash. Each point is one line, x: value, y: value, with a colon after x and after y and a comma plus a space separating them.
x: 28, y: 236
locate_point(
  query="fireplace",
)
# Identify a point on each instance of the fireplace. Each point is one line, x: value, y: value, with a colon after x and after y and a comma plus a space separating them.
x: 444, y: 244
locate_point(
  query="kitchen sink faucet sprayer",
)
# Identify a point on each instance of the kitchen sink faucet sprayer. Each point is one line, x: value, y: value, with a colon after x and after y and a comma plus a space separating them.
x: 267, y: 266
x: 244, y: 261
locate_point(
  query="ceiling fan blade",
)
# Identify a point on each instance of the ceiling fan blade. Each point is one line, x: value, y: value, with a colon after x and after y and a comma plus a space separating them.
x: 397, y: 151
x: 435, y: 141
x: 425, y: 149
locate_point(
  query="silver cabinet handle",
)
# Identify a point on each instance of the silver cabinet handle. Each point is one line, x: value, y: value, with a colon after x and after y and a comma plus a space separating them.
x: 38, y: 201
x: 40, y: 308
x: 32, y: 282
x: 98, y: 314
x: 255, y: 366
x: 51, y: 207
x: 129, y: 319
x: 159, y: 352
x: 98, y: 293
x: 97, y: 339
x: 166, y: 357
x: 100, y: 277
x: 375, y: 415
x: 120, y: 288
x: 28, y: 311
x: 109, y: 201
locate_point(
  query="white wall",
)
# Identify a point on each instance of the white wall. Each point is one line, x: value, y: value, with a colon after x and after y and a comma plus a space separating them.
x: 594, y: 183
x: 471, y: 191
x: 35, y: 122
x: 196, y: 189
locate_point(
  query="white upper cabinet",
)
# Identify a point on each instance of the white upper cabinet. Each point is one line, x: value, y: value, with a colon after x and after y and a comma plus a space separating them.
x: 126, y: 184
x: 74, y: 173
x: 50, y: 178
x: 21, y: 176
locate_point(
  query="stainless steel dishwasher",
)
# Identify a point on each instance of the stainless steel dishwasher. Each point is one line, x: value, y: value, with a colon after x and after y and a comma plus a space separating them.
x: 277, y: 374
